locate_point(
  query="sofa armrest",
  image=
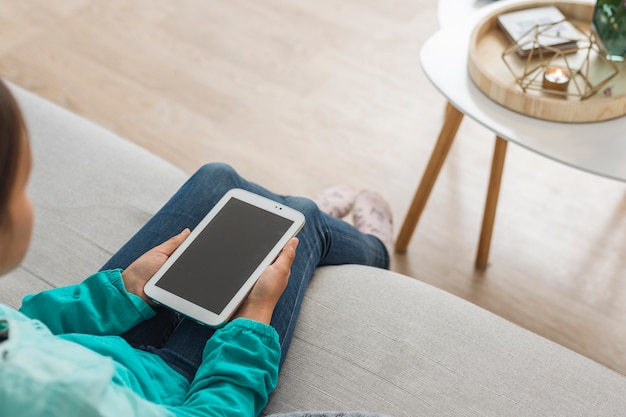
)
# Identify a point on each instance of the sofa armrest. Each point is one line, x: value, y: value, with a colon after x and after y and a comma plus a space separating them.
x: 377, y: 341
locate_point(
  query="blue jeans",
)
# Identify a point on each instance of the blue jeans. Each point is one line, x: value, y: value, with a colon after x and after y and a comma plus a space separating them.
x: 324, y: 240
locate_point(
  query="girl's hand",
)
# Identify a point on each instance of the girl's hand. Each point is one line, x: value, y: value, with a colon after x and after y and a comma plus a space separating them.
x: 260, y: 303
x: 140, y: 271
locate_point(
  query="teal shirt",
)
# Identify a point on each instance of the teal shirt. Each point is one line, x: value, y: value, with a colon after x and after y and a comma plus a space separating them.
x: 63, y: 358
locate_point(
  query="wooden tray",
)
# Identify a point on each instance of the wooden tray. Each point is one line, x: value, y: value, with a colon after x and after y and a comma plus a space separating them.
x: 493, y: 77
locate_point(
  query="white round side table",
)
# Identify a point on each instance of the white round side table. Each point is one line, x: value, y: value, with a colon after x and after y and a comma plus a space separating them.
x: 598, y: 148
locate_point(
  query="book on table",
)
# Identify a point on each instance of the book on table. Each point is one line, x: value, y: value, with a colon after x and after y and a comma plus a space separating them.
x: 542, y: 29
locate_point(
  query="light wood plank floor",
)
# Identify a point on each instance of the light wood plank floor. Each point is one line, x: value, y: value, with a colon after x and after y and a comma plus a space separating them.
x: 300, y: 95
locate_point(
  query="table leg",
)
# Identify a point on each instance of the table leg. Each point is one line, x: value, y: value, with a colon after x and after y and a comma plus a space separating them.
x: 497, y: 166
x: 451, y: 125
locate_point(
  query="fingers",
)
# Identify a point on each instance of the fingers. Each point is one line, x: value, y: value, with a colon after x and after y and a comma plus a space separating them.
x: 287, y: 255
x: 168, y: 247
x: 280, y: 269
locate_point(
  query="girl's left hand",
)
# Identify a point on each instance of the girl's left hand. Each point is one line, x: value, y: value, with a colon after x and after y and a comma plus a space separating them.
x: 140, y: 271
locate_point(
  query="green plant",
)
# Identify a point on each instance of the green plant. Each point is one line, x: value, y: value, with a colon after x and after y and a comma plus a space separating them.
x: 609, y: 23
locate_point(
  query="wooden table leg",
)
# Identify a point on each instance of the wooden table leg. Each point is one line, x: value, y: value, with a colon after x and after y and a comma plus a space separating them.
x: 497, y: 166
x: 451, y: 125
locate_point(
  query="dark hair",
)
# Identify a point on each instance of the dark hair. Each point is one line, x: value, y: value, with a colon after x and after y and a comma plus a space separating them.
x: 12, y: 127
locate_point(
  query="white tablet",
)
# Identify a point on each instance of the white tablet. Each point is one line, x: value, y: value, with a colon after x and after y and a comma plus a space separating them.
x: 214, y: 269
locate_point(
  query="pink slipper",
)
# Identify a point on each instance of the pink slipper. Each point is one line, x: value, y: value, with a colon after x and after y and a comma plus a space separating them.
x: 372, y: 215
x: 336, y: 201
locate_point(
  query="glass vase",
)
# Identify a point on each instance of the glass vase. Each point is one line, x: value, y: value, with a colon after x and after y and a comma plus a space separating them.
x: 609, y: 25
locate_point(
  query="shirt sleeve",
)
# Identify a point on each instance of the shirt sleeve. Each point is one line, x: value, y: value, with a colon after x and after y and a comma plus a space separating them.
x: 44, y: 375
x: 238, y: 372
x: 59, y: 378
x: 100, y: 305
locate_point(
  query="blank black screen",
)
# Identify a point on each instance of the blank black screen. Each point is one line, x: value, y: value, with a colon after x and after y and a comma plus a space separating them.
x: 215, y: 265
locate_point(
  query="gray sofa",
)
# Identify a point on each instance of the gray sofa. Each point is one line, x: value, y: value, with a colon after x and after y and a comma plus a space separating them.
x: 367, y: 339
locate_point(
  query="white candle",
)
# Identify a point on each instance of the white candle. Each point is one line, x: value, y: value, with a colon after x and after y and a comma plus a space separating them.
x: 556, y: 78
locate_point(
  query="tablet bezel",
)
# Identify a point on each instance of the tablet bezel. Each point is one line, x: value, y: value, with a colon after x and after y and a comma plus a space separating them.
x: 201, y: 314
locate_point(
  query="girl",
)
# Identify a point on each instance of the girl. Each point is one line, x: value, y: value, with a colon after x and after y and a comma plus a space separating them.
x: 100, y: 348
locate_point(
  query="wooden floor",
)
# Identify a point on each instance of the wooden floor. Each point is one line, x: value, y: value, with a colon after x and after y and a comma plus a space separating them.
x: 299, y: 95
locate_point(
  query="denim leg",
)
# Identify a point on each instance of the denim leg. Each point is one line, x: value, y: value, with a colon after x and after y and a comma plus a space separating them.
x: 185, y: 209
x: 324, y: 240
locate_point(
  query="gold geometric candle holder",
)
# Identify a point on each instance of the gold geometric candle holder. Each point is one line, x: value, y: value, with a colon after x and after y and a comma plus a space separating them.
x: 586, y: 65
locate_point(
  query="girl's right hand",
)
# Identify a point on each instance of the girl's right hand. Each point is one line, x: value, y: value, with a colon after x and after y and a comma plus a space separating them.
x: 260, y: 303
